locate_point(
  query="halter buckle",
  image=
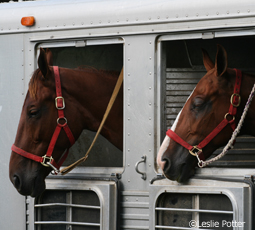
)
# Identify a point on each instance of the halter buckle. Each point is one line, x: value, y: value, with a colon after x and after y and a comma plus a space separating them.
x: 195, y: 151
x: 63, y: 102
x: 46, y: 160
x: 232, y: 99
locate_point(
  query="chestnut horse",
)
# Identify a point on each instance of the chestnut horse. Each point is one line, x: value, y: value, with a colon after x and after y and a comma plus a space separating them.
x: 86, y: 93
x: 208, y: 118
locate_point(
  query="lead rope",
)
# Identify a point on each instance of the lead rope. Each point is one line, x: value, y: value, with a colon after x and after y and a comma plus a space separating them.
x: 108, y: 109
x: 229, y: 145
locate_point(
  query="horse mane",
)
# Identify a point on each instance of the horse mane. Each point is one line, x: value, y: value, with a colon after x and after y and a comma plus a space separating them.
x: 102, y: 72
x: 33, y: 83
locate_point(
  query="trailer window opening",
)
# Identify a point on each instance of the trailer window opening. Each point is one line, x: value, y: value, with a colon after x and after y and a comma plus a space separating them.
x: 100, y: 57
x: 182, y: 68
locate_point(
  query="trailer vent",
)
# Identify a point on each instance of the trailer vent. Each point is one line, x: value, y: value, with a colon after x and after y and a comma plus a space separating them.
x: 72, y: 210
x: 197, y: 211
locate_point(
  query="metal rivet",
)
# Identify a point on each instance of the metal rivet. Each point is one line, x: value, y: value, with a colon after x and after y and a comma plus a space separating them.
x: 248, y: 11
x: 227, y: 12
x: 197, y: 14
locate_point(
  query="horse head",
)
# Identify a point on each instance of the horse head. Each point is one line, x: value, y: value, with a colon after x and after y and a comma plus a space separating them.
x: 36, y: 127
x: 206, y: 108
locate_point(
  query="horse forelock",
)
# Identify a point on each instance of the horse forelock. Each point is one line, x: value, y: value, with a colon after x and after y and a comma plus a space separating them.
x: 33, y: 83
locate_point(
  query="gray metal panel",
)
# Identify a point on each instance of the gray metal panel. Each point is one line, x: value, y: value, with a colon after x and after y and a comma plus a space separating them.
x: 139, y: 110
x: 128, y: 16
x: 12, y: 208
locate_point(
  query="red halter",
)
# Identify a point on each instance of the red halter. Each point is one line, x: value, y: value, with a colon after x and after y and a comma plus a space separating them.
x: 47, y: 160
x: 234, y: 103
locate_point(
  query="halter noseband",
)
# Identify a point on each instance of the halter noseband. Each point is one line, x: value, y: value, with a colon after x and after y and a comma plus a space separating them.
x: 197, y: 149
x: 47, y: 160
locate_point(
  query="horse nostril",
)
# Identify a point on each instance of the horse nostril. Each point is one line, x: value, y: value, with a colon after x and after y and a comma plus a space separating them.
x: 167, y: 164
x: 16, y: 181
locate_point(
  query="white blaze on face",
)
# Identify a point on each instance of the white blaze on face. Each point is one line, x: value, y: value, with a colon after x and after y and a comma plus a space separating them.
x: 167, y: 139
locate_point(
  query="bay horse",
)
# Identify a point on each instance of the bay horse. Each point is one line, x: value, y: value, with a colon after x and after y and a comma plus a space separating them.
x: 208, y: 118
x: 84, y: 95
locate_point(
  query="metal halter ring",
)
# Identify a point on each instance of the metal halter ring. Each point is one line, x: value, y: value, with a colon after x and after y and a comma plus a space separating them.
x: 58, y: 121
x: 195, y: 151
x: 233, y: 117
x: 48, y: 159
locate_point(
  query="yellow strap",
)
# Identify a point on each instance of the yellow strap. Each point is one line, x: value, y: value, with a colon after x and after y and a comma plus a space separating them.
x: 108, y: 109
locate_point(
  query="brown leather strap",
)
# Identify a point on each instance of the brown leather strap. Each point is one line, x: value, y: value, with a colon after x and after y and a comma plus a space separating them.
x: 108, y: 109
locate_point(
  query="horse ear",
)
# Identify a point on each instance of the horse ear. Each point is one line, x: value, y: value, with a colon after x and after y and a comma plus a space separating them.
x: 42, y: 63
x: 208, y: 63
x: 221, y: 62
x: 49, y: 57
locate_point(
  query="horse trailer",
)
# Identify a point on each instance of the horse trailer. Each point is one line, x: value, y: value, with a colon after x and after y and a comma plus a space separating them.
x: 158, y: 44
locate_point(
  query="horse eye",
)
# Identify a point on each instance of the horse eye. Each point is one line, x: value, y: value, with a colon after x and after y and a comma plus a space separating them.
x: 198, y: 102
x: 33, y: 112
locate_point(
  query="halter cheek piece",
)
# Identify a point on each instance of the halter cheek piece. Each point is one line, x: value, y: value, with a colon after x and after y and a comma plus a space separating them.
x: 196, y: 150
x: 47, y: 160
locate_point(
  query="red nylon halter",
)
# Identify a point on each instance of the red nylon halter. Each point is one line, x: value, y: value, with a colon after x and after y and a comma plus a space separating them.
x: 234, y: 103
x: 47, y: 160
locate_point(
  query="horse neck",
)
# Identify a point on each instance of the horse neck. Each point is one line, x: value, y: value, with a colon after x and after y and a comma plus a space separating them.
x: 90, y: 92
